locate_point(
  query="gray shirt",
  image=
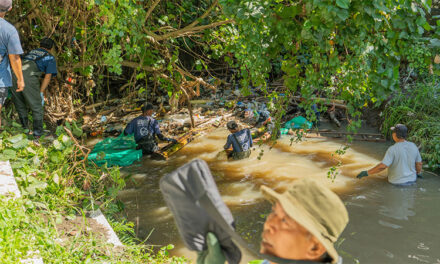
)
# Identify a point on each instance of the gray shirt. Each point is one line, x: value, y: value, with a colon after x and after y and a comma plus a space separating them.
x: 9, y: 44
x: 401, y: 160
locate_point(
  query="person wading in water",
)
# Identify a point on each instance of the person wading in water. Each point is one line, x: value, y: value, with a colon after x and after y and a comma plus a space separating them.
x: 402, y: 159
x: 240, y: 140
x: 145, y: 129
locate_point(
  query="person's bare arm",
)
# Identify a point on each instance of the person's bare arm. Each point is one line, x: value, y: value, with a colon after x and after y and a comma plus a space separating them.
x: 419, y: 167
x: 45, y: 82
x: 378, y: 168
x: 15, y: 61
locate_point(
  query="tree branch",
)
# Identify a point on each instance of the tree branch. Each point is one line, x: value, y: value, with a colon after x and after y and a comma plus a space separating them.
x: 188, y: 31
x: 130, y: 64
x: 204, y: 15
x: 150, y: 10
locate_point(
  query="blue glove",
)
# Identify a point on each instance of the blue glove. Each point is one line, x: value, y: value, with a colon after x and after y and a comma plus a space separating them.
x: 362, y: 174
x: 42, y: 98
x: 172, y: 140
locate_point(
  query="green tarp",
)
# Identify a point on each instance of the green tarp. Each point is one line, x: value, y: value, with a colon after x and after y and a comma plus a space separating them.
x: 296, y: 123
x: 120, y: 151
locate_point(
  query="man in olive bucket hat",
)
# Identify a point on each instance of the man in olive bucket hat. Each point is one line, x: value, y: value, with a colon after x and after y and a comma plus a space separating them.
x: 305, y: 222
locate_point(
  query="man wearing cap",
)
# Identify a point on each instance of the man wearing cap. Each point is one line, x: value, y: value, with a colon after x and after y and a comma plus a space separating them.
x: 403, y: 159
x: 10, y: 50
x: 35, y: 63
x: 305, y: 222
x: 145, y: 129
x: 240, y: 140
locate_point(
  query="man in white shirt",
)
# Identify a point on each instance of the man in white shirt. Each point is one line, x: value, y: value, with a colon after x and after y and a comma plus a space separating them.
x: 403, y: 159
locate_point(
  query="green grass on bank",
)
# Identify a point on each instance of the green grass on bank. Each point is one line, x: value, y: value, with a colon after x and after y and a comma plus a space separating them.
x: 58, y: 185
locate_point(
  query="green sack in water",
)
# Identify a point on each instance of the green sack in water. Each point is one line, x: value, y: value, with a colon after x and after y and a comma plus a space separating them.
x: 120, y: 151
x: 284, y: 131
x: 298, y: 122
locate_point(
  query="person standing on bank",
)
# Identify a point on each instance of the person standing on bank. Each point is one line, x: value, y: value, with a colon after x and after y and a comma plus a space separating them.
x: 241, y: 141
x: 145, y: 129
x: 403, y: 159
x: 35, y: 63
x: 10, y: 50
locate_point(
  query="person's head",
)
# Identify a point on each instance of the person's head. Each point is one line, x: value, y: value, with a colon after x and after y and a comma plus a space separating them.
x: 305, y: 222
x: 232, y: 126
x: 5, y: 6
x: 147, y: 109
x: 399, y: 132
x: 46, y: 43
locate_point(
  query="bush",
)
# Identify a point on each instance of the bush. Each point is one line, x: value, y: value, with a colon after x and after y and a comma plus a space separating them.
x: 419, y: 109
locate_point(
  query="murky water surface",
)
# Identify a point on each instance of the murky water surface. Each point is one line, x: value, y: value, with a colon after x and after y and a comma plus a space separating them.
x: 388, y: 224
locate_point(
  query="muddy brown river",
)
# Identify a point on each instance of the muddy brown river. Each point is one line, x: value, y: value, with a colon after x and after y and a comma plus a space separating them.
x: 388, y: 224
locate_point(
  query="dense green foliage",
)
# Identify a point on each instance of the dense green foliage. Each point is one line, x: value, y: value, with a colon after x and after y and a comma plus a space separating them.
x: 154, y: 43
x: 56, y: 183
x: 419, y: 109
x: 346, y: 49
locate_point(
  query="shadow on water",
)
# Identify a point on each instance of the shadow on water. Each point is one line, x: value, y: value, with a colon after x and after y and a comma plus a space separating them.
x: 387, y: 224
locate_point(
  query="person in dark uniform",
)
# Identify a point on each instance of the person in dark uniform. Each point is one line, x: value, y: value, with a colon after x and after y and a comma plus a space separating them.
x: 240, y: 140
x: 36, y: 63
x: 145, y: 129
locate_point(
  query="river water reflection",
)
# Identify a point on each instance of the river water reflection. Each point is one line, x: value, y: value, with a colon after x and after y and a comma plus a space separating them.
x: 388, y: 224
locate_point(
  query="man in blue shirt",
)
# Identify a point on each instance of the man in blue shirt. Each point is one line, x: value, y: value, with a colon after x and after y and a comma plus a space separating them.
x: 10, y: 50
x: 240, y: 140
x: 35, y: 63
x: 145, y: 129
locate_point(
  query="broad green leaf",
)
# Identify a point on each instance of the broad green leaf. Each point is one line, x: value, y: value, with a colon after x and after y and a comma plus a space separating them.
x: 15, y: 138
x: 31, y: 190
x: 343, y: 3
x: 57, y: 145
x: 21, y: 144
x: 8, y: 154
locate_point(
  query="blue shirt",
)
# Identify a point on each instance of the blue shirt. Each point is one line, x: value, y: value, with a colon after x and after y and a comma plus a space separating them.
x: 141, y: 126
x: 45, y: 61
x: 245, y: 140
x: 9, y: 44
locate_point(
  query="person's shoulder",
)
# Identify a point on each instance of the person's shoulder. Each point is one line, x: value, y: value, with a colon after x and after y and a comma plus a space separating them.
x: 412, y: 145
x: 47, y: 55
x: 137, y: 118
x: 6, y: 25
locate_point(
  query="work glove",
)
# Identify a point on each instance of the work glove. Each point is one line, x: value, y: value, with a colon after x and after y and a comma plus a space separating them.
x: 362, y: 174
x: 172, y: 140
x: 213, y: 254
x: 42, y: 98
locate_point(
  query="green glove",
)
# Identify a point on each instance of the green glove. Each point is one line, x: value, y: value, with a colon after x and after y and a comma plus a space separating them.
x: 212, y: 255
x: 362, y: 174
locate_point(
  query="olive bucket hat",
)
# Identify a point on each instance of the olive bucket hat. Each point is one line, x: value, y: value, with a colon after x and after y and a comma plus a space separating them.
x: 316, y: 208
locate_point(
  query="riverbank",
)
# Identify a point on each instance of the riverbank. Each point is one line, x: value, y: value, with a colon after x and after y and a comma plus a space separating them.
x: 51, y: 220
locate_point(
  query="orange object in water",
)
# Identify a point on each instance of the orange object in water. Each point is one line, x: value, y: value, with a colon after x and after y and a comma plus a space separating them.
x: 96, y: 133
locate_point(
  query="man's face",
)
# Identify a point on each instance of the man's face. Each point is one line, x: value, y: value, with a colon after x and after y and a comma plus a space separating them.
x: 284, y: 237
